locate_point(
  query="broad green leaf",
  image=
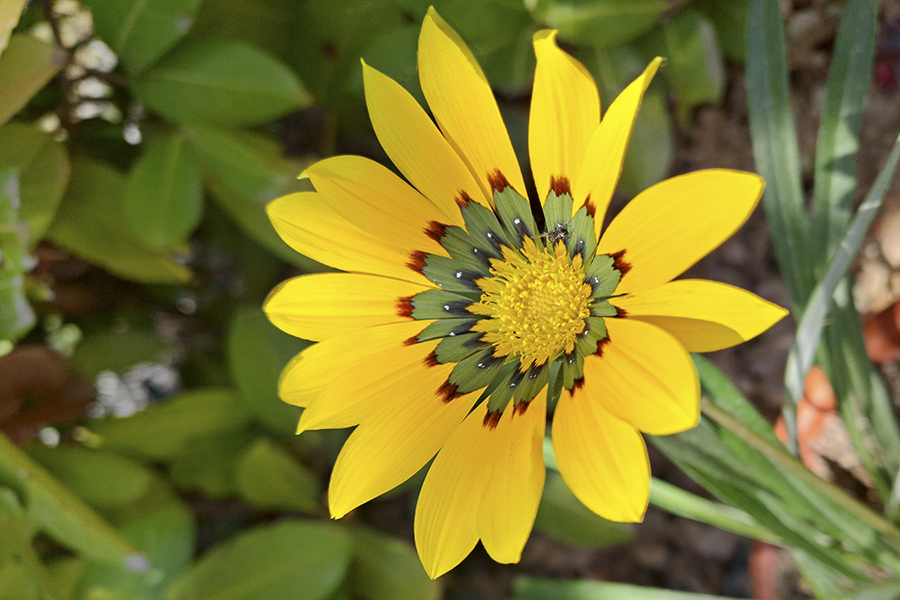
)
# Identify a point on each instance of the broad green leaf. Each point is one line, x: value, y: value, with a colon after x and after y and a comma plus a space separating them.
x: 117, y: 351
x: 65, y: 573
x: 231, y: 159
x: 267, y: 24
x: 43, y: 166
x: 277, y: 562
x: 140, y: 32
x: 651, y: 149
x: 386, y: 568
x: 598, y: 22
x: 16, y: 314
x: 775, y: 147
x: 730, y: 20
x: 102, y: 479
x: 164, y: 195
x: 563, y: 517
x: 209, y: 464
x: 269, y: 478
x: 9, y: 16
x: 335, y: 34
x: 166, y: 534
x: 525, y: 588
x: 26, y: 66
x: 219, y: 81
x: 90, y: 223
x: 498, y: 32
x: 694, y: 65
x: 16, y: 582
x: 165, y: 431
x: 257, y: 353
x: 838, y: 143
x: 60, y: 514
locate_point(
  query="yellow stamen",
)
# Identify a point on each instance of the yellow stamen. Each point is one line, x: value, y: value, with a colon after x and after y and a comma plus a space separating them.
x: 536, y: 303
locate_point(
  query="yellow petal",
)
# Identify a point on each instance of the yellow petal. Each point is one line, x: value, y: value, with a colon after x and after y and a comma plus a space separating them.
x: 602, y: 459
x: 447, y: 509
x: 703, y: 315
x: 514, y: 456
x: 371, y: 197
x: 464, y: 107
x: 565, y: 112
x: 667, y: 228
x: 597, y: 176
x: 416, y: 146
x: 647, y: 377
x: 313, y: 229
x: 323, y: 305
x: 402, y: 372
x: 392, y: 444
x: 304, y: 378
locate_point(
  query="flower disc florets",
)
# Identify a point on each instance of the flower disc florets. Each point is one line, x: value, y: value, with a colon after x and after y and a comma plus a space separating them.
x: 536, y: 302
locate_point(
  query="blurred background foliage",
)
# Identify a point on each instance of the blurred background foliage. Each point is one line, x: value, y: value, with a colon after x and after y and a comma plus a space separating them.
x: 146, y: 454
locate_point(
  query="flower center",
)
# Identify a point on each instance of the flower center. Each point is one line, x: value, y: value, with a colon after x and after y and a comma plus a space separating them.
x: 536, y: 303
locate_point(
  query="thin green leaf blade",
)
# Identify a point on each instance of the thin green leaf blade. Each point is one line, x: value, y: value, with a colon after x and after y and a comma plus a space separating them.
x: 775, y: 145
x: 838, y: 143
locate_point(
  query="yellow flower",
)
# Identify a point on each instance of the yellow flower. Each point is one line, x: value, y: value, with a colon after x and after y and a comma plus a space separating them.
x: 459, y: 307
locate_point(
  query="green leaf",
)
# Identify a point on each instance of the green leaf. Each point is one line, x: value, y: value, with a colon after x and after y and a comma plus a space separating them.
x: 271, y: 479
x: 43, y: 166
x: 775, y: 146
x: 90, y: 223
x: 140, y: 32
x: 335, y: 34
x: 165, y: 431
x: 498, y: 32
x: 9, y: 16
x: 257, y: 353
x: 61, y: 514
x: 268, y: 24
x: 26, y: 66
x: 385, y: 568
x: 219, y: 81
x: 16, y: 314
x: 16, y: 582
x: 599, y: 22
x: 209, y: 465
x: 526, y: 588
x: 651, y: 149
x: 846, y: 92
x: 164, y: 194
x: 117, y: 351
x: 730, y: 20
x: 270, y: 563
x: 694, y: 64
x: 102, y: 479
x: 563, y: 517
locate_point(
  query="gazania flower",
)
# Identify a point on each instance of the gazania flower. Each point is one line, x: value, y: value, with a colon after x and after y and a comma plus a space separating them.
x: 459, y: 307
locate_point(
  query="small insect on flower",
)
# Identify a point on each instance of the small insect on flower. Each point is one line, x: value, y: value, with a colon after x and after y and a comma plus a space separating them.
x: 451, y: 290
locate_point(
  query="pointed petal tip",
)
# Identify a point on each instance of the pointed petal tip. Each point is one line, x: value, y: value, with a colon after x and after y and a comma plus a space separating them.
x: 544, y: 35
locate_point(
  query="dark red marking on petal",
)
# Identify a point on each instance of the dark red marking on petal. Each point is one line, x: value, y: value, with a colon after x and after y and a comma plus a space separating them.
x: 463, y: 199
x: 412, y: 341
x: 431, y: 360
x: 621, y: 312
x: 405, y: 306
x: 491, y: 420
x: 521, y: 407
x: 590, y: 207
x: 600, y: 346
x: 435, y: 230
x: 619, y: 262
x: 577, y: 385
x: 560, y: 185
x: 416, y: 261
x: 498, y: 181
x: 448, y: 392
